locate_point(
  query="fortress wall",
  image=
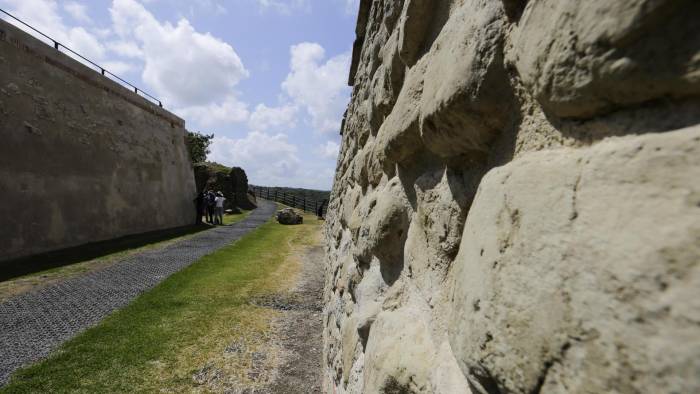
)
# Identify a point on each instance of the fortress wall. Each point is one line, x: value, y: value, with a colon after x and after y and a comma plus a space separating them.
x: 82, y: 159
x: 516, y: 206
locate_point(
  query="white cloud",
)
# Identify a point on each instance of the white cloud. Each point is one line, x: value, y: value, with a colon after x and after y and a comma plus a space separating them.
x: 118, y: 67
x: 44, y: 16
x: 329, y: 150
x: 267, y: 159
x: 194, y: 72
x: 320, y: 88
x: 265, y: 118
x: 230, y: 110
x: 126, y: 49
x: 77, y: 11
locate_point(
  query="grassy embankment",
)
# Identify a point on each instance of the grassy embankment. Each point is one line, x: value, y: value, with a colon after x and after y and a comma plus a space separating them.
x: 195, y: 331
x: 25, y: 275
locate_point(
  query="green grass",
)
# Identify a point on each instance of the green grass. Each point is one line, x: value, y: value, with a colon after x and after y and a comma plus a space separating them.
x: 166, y: 335
x: 235, y: 218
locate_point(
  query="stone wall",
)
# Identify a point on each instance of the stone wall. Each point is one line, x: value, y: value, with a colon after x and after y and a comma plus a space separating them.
x: 516, y: 207
x: 82, y: 158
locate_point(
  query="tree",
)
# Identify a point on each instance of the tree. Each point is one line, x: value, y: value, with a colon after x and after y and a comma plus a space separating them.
x: 198, y: 146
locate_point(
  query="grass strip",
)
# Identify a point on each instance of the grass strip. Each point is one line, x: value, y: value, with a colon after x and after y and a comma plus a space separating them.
x: 166, y: 336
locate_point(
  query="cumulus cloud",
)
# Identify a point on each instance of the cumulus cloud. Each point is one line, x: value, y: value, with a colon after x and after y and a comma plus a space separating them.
x: 317, y: 86
x: 118, y: 67
x: 265, y: 118
x: 230, y: 110
x: 269, y: 159
x: 126, y: 49
x: 77, y: 11
x: 195, y: 72
x: 44, y: 15
x: 329, y: 150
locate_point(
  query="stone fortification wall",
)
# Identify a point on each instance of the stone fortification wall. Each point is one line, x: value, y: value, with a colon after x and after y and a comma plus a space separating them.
x: 82, y: 158
x: 516, y: 207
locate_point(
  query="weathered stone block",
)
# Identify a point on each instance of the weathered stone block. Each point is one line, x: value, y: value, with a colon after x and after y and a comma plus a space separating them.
x: 465, y: 88
x: 577, y: 268
x: 391, y: 366
x: 584, y: 58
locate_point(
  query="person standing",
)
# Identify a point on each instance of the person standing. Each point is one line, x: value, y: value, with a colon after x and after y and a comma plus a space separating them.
x: 211, y: 206
x: 199, y: 206
x: 219, y: 208
x: 319, y: 211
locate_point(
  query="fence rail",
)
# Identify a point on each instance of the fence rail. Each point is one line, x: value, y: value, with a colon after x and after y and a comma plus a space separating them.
x: 57, y: 45
x: 292, y: 200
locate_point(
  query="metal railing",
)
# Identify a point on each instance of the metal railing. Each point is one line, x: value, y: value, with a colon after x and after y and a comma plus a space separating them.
x: 57, y: 45
x: 292, y: 200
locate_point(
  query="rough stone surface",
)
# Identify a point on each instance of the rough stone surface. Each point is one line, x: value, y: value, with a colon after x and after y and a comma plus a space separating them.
x: 82, y: 158
x: 289, y: 216
x: 516, y: 206
x: 584, y: 58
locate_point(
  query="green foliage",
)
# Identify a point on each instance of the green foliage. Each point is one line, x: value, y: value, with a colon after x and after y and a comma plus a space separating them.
x: 198, y: 145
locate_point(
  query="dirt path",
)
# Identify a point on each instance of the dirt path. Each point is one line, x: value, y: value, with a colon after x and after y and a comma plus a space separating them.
x: 289, y: 358
x: 298, y: 331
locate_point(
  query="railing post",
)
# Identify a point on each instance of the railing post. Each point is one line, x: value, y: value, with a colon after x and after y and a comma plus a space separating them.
x: 268, y: 193
x: 294, y: 201
x: 56, y: 44
x: 315, y: 206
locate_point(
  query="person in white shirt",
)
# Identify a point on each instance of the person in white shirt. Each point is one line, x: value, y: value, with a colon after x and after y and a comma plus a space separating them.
x: 219, y: 208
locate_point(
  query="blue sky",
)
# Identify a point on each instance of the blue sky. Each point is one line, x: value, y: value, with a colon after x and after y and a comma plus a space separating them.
x: 267, y: 77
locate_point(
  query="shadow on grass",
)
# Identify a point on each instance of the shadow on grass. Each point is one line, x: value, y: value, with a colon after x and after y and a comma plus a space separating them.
x: 27, y: 265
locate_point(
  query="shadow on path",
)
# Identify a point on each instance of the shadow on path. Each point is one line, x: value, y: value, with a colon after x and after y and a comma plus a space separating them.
x: 27, y: 265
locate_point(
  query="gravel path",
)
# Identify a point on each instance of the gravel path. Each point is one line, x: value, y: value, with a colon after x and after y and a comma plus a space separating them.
x: 35, y: 323
x: 299, y: 331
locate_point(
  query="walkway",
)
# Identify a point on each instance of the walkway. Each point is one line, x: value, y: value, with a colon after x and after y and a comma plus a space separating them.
x: 35, y: 323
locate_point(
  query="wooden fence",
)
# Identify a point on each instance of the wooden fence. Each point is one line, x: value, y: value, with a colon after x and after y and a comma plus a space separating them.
x: 292, y: 200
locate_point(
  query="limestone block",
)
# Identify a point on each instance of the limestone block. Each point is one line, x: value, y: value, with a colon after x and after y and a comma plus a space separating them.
x: 578, y: 270
x: 390, y: 365
x: 399, y: 138
x: 436, y: 228
x: 442, y: 205
x: 371, y: 288
x: 583, y: 58
x: 383, y: 230
x: 446, y: 376
x: 350, y: 340
x: 386, y: 82
x: 465, y: 92
x: 413, y: 28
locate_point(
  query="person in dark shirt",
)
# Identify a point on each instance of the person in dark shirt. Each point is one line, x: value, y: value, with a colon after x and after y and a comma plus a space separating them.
x: 319, y: 211
x: 199, y: 206
x: 211, y: 206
